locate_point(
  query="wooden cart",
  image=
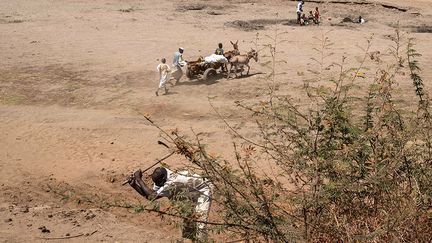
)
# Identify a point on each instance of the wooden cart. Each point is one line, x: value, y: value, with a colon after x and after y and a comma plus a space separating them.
x: 201, y: 69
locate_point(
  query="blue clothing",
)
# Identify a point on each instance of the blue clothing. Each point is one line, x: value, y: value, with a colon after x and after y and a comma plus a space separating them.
x: 178, y: 58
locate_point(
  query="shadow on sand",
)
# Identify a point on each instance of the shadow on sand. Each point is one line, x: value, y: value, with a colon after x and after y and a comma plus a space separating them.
x: 232, y: 76
x: 213, y: 80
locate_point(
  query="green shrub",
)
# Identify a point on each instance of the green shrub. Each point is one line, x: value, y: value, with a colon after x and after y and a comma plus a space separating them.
x: 343, y: 168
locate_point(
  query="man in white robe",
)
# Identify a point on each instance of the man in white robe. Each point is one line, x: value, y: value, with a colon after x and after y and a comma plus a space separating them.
x: 164, y: 71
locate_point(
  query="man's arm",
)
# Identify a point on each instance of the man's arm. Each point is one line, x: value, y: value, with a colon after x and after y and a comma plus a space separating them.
x: 181, y: 60
x: 138, y: 184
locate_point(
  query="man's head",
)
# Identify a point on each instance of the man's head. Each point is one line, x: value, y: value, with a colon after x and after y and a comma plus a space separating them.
x: 181, y: 50
x: 163, y: 60
x: 160, y: 176
x: 220, y: 45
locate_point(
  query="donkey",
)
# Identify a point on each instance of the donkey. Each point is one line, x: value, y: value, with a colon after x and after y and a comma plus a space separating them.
x: 242, y: 60
x: 230, y: 54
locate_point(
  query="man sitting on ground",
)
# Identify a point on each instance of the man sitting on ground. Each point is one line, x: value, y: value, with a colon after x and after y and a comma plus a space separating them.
x: 311, y: 17
x: 304, y: 20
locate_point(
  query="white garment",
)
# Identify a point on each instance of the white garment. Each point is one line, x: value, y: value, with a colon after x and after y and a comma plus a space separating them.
x: 176, y: 72
x: 299, y: 7
x: 193, y: 183
x: 164, y: 71
x: 215, y: 58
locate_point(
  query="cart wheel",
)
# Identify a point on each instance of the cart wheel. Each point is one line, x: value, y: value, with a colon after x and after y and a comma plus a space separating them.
x: 189, y: 74
x: 209, y: 73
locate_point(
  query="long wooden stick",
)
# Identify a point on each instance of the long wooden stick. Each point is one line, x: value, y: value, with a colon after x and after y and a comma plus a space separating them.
x: 153, y: 165
x: 157, y: 162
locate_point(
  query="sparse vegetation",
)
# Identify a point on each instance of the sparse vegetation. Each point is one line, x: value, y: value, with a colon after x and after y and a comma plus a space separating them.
x: 139, y: 208
x: 16, y: 21
x: 334, y: 172
x: 11, y: 99
x: 128, y: 10
x: 191, y: 7
x: 198, y: 7
x: 423, y: 29
x: 258, y: 24
x: 330, y: 148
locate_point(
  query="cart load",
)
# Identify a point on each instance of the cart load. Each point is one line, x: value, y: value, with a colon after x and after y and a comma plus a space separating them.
x: 205, y: 68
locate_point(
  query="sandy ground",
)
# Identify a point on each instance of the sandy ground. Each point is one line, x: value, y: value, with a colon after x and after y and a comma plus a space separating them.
x: 73, y: 75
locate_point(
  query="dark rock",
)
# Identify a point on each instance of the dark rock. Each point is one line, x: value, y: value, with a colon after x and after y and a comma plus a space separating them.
x: 44, y: 229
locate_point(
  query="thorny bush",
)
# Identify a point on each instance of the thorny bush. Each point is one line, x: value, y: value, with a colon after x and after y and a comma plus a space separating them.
x: 341, y: 169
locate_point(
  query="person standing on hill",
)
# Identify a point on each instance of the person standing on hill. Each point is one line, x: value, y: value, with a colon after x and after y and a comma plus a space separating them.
x: 317, y: 16
x: 299, y: 11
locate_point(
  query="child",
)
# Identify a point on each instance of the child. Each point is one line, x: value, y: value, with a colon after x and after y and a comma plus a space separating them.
x: 317, y: 16
x: 304, y: 20
x: 311, y: 17
x: 164, y: 71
